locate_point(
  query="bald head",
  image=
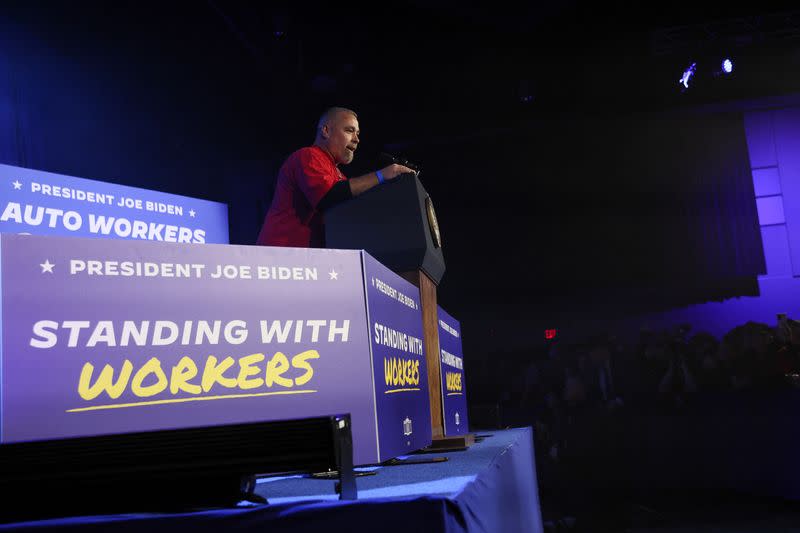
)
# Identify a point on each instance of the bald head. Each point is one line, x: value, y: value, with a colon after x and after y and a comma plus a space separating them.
x: 331, y: 114
x: 337, y: 134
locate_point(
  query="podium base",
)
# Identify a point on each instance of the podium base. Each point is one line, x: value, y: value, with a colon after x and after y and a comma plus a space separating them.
x: 450, y: 444
x: 413, y: 460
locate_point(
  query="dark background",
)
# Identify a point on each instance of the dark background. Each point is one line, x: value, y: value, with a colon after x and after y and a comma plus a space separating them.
x: 573, y: 181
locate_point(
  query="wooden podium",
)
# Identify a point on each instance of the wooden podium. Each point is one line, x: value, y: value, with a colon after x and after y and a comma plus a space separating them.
x: 396, y: 224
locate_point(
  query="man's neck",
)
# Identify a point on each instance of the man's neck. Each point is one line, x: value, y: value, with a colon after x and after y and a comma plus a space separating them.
x: 324, y: 148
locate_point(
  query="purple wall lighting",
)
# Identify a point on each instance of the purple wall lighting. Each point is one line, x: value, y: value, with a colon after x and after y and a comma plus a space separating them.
x: 770, y: 210
x: 766, y: 181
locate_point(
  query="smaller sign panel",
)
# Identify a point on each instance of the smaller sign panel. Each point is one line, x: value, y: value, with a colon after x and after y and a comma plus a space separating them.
x: 454, y: 391
x: 398, y: 358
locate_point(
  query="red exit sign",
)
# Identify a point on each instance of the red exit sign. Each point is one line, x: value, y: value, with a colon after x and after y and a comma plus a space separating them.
x: 550, y: 334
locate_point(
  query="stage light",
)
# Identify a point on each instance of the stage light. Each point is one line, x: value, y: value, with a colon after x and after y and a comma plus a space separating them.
x: 174, y: 469
x: 526, y: 91
x: 687, y: 75
x: 727, y: 66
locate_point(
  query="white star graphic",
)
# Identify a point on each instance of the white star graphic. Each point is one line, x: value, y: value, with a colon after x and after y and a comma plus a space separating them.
x: 333, y: 274
x: 17, y: 185
x: 47, y: 266
x: 191, y: 213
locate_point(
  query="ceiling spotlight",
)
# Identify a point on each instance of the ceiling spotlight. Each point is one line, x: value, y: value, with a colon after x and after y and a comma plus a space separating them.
x: 527, y: 93
x: 687, y: 74
x: 727, y: 66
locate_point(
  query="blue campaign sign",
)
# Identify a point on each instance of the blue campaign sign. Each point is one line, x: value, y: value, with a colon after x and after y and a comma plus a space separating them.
x: 454, y: 392
x: 398, y: 357
x: 44, y: 203
x: 114, y: 336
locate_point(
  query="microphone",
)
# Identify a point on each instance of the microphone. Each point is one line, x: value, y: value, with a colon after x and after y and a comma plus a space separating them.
x: 383, y: 156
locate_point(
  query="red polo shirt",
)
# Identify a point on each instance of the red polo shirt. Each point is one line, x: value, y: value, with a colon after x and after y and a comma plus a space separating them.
x: 304, y: 179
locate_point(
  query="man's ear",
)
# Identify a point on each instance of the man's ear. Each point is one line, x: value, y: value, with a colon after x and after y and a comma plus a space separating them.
x: 325, y: 132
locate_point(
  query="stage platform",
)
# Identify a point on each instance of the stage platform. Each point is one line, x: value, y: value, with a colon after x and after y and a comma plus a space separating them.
x: 490, y: 487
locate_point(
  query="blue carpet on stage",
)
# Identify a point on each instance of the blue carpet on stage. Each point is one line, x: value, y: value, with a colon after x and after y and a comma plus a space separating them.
x: 491, y: 487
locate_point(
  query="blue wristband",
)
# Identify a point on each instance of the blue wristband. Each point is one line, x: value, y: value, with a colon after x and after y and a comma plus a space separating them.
x: 380, y: 176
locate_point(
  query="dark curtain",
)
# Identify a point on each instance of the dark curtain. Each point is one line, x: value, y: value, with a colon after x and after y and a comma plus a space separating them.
x: 720, y: 223
x: 693, y: 172
x: 596, y: 214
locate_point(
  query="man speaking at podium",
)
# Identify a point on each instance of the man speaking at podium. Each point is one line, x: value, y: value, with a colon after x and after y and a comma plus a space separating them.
x: 309, y: 182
